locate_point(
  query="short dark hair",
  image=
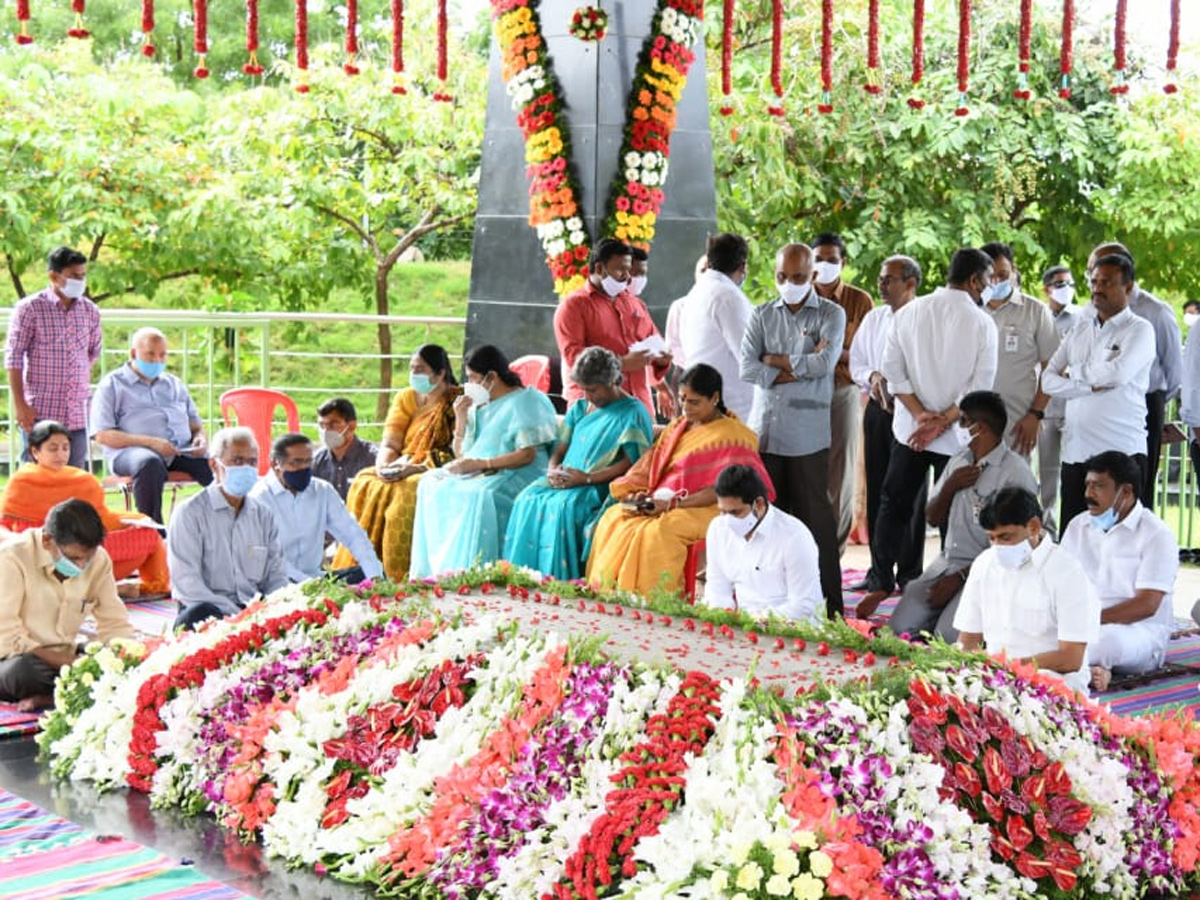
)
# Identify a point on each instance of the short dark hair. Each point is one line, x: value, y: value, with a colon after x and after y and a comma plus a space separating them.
x: 75, y: 522
x: 1009, y: 506
x: 1120, y: 261
x: 995, y: 250
x: 638, y: 253
x: 63, y: 258
x: 986, y: 407
x: 607, y: 249
x: 909, y: 267
x: 705, y: 381
x: 1118, y: 466
x: 829, y: 239
x: 341, y: 406
x: 966, y: 263
x: 1190, y: 303
x: 742, y: 482
x: 727, y: 252
x: 438, y: 359
x: 44, y: 430
x: 488, y: 358
x: 1053, y: 272
x: 283, y: 443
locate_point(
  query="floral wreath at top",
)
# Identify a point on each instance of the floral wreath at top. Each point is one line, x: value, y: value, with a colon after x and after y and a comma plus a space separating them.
x: 589, y: 23
x: 636, y: 195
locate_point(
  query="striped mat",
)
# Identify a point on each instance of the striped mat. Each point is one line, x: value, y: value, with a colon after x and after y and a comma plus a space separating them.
x: 14, y: 723
x: 43, y: 856
x: 153, y: 617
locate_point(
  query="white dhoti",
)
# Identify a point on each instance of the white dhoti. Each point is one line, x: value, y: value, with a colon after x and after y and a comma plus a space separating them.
x: 1129, y: 649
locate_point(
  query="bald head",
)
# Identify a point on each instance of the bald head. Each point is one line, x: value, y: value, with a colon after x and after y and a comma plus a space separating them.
x: 148, y: 352
x: 793, y: 266
x: 1109, y: 249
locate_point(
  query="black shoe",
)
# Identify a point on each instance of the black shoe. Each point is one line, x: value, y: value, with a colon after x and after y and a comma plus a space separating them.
x: 864, y: 585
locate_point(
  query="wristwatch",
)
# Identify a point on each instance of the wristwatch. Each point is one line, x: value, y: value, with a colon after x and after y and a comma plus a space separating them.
x: 1037, y: 414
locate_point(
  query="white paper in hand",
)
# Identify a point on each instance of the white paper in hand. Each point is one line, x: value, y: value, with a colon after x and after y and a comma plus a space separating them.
x: 654, y: 345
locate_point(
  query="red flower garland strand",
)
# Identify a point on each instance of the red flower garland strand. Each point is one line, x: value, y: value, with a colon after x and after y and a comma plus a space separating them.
x: 441, y: 95
x: 1064, y: 56
x: 148, y: 27
x: 1172, y: 49
x: 252, y: 66
x: 777, y: 56
x: 351, y: 37
x: 727, y: 56
x: 1022, y: 92
x: 964, y: 55
x: 77, y: 7
x: 200, y: 42
x: 918, y: 51
x: 1119, y: 50
x: 873, y: 86
x: 826, y: 104
x: 23, y: 37
x: 302, y: 46
x: 398, y: 47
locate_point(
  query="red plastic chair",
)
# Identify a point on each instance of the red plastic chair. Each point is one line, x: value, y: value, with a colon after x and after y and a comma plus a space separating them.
x: 534, y: 371
x: 691, y: 569
x: 255, y: 409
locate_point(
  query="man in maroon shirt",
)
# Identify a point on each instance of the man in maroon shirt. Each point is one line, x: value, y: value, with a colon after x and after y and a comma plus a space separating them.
x: 605, y: 313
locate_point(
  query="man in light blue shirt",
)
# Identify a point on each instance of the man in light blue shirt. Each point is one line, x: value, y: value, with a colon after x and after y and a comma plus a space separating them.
x: 788, y: 353
x: 147, y: 423
x: 223, y: 547
x: 306, y: 508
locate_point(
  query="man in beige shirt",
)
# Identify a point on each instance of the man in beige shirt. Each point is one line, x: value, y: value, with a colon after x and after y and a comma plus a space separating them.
x: 51, y: 578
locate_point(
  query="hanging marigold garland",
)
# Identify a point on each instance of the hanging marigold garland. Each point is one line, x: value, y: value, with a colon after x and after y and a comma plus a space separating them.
x: 252, y: 66
x: 918, y: 52
x: 776, y: 109
x: 1064, y: 56
x: 441, y: 95
x: 349, y: 66
x: 964, y: 55
x: 78, y: 31
x: 1023, y: 54
x: 302, y: 47
x: 23, y: 37
x: 826, y: 104
x: 148, y: 27
x: 1119, y: 51
x: 1172, y: 50
x: 873, y: 85
x: 398, y: 47
x: 727, y: 57
x: 200, y: 41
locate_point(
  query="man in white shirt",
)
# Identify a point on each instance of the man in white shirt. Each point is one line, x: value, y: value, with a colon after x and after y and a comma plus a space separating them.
x: 713, y: 319
x: 1058, y: 287
x: 941, y: 347
x: 760, y: 559
x: 1132, y: 558
x: 1026, y: 597
x: 666, y: 390
x: 1026, y: 340
x: 1189, y: 408
x: 1101, y: 370
x: 1166, y: 371
x: 899, y: 280
x: 306, y: 508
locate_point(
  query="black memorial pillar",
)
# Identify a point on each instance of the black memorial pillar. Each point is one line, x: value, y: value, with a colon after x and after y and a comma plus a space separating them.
x: 512, y: 299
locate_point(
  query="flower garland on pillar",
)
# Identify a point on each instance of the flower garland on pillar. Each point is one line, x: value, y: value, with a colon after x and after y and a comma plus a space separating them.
x: 441, y: 95
x: 398, y: 47
x: 148, y: 27
x: 77, y: 7
x: 918, y: 52
x: 726, y: 57
x: 200, y: 42
x: 777, y: 57
x: 964, y: 55
x: 873, y: 85
x: 302, y: 46
x: 1022, y: 92
x: 23, y: 37
x: 1064, y: 56
x: 826, y: 104
x: 351, y: 37
x: 1172, y: 50
x: 252, y: 66
x: 1119, y: 50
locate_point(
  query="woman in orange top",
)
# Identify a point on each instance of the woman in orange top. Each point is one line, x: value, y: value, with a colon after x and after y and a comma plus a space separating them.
x: 37, y: 486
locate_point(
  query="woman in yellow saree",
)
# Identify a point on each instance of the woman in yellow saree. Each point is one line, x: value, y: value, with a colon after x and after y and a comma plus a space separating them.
x: 667, y: 498
x: 418, y: 436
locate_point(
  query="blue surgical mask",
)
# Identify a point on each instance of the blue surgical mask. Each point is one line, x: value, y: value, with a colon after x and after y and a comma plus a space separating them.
x: 298, y: 480
x: 68, y: 569
x: 420, y: 382
x: 149, y: 369
x: 239, y: 479
x: 1001, y: 290
x: 1105, y: 520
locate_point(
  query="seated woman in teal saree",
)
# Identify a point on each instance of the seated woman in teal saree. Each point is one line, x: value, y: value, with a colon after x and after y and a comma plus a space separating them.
x: 602, y: 436
x: 502, y: 438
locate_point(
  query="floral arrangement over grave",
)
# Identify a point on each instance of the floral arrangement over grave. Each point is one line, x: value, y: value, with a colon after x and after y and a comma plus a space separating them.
x: 589, y: 24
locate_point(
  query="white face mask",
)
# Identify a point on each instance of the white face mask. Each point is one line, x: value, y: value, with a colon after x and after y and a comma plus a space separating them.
x: 332, y: 439
x: 1013, y: 556
x: 827, y: 272
x: 987, y: 294
x: 1190, y: 319
x: 637, y: 284
x: 73, y: 288
x: 477, y: 393
x: 743, y: 526
x: 611, y: 286
x: 794, y: 294
x: 1065, y: 296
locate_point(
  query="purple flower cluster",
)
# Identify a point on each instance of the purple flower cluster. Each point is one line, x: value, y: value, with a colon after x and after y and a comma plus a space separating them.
x: 545, y: 767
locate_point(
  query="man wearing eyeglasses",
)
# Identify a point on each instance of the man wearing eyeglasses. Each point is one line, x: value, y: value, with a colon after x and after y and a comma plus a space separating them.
x: 1058, y: 287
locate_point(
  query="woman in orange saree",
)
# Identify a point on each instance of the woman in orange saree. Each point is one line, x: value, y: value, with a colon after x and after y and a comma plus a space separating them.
x: 417, y: 436
x: 37, y: 486
x: 667, y: 498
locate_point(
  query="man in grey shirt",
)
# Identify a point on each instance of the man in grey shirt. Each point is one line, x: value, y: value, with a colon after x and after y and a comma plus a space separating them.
x: 789, y: 352
x: 223, y: 547
x: 970, y: 478
x: 343, y: 454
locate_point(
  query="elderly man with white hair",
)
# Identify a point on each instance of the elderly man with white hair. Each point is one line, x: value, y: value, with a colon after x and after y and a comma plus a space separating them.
x: 223, y: 547
x: 148, y: 424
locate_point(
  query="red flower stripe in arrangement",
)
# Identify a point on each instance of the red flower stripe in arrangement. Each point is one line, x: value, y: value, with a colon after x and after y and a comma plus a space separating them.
x: 1065, y: 54
x: 727, y: 56
x: 647, y: 789
x: 78, y: 31
x: 918, y: 51
x: 252, y: 66
x: 148, y: 27
x: 190, y: 672
x: 873, y: 86
x: 23, y: 36
x: 200, y: 37
x: 826, y: 104
x: 1172, y: 49
x: 441, y: 95
x: 349, y: 66
x: 776, y: 56
x: 964, y: 55
x: 1119, y: 50
x: 1022, y: 91
x: 302, y: 46
x: 398, y: 47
